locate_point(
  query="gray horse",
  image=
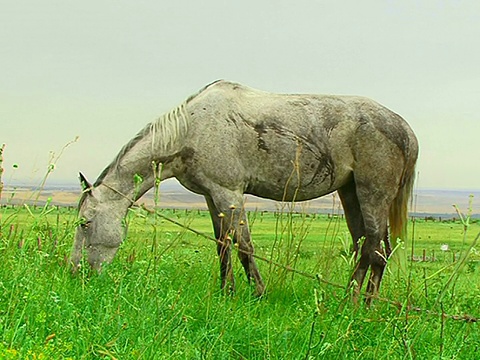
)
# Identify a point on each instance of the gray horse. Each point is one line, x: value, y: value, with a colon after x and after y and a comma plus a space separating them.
x: 229, y: 140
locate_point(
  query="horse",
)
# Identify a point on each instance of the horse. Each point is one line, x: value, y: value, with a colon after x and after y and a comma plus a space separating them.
x: 228, y: 140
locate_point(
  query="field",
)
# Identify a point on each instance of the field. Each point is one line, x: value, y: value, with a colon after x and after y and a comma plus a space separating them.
x: 160, y: 298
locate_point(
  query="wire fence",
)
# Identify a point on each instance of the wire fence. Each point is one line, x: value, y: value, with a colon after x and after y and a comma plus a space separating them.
x: 399, y: 305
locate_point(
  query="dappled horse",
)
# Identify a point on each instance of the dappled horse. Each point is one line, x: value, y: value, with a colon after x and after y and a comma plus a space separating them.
x: 229, y: 140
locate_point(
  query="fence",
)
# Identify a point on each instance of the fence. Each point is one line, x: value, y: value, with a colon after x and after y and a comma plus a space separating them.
x: 399, y: 305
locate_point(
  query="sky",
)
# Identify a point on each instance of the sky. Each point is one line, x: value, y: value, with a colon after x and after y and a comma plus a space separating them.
x: 90, y: 74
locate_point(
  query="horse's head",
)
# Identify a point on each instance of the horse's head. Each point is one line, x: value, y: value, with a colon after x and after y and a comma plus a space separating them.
x: 101, y: 227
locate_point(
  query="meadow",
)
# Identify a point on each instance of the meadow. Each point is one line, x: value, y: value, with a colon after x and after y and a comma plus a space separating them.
x: 160, y: 297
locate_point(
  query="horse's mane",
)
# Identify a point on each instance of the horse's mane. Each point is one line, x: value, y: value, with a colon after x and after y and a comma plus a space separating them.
x: 165, y: 131
x: 168, y: 127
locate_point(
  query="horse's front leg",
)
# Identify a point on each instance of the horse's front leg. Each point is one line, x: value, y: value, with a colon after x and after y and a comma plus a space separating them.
x: 224, y: 251
x: 224, y: 246
x: 230, y: 221
x: 245, y: 254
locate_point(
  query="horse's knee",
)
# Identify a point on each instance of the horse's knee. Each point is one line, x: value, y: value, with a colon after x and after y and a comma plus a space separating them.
x: 223, y: 246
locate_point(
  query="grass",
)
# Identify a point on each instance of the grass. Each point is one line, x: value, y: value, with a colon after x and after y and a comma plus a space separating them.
x: 160, y: 297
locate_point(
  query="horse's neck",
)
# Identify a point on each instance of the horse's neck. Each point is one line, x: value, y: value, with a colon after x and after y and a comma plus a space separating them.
x: 131, y: 181
x: 136, y: 167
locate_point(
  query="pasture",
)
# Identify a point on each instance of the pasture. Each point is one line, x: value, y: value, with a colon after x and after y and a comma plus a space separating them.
x: 160, y: 297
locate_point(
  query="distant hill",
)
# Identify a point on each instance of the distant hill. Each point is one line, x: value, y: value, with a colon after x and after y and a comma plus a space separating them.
x: 425, y: 202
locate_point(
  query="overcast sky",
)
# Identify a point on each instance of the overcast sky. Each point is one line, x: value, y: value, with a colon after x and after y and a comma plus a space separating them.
x: 101, y: 70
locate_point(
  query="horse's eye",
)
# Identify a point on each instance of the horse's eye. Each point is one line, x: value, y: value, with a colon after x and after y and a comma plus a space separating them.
x: 84, y: 224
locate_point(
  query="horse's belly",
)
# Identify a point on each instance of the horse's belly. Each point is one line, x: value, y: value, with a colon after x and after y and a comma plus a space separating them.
x: 290, y: 189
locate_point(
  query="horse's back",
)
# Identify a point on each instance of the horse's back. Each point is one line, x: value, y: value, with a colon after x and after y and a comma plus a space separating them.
x: 311, y: 144
x: 299, y: 112
x: 223, y: 97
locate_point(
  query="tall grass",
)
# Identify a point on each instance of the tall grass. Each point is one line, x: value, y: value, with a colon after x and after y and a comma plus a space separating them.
x: 164, y: 300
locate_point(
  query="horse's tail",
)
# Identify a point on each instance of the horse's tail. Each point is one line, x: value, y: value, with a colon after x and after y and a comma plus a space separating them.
x: 398, y: 216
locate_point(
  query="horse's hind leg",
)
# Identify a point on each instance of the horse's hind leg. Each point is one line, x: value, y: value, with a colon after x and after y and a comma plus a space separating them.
x: 372, y: 255
x: 381, y: 256
x: 356, y: 226
x: 377, y: 270
x: 374, y: 198
x: 353, y: 213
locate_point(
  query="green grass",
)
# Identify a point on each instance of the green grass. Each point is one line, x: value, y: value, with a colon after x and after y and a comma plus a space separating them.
x: 160, y: 297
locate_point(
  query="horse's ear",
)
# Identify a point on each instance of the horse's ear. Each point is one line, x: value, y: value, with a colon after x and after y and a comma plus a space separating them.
x: 86, y: 186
